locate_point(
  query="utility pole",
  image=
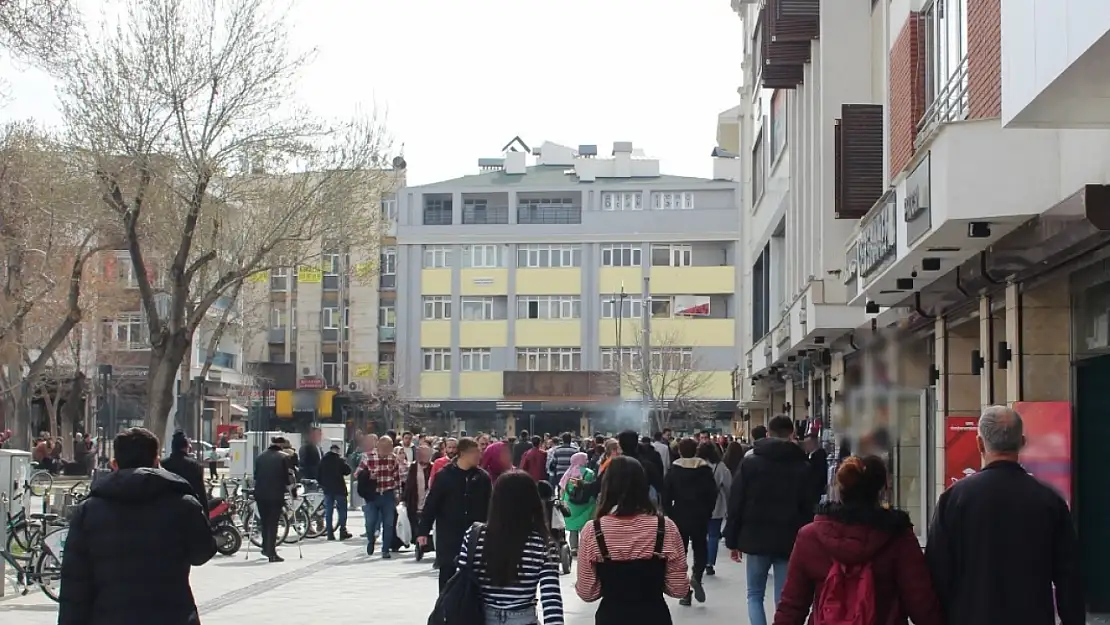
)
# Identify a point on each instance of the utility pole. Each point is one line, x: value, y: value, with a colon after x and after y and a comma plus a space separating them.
x: 648, y: 389
x: 619, y: 361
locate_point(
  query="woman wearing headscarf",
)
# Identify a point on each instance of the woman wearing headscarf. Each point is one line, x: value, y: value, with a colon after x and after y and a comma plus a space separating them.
x: 497, y: 459
x: 581, y: 507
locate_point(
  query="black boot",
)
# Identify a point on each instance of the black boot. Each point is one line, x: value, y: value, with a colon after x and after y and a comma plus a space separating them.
x: 344, y: 534
x: 697, y: 588
x: 685, y: 601
x: 710, y: 571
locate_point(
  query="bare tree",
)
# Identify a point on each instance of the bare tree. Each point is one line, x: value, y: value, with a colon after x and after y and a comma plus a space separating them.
x: 48, y: 218
x: 672, y: 383
x: 37, y: 29
x: 185, y: 113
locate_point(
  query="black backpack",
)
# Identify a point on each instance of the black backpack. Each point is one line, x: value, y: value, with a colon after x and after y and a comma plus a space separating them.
x: 366, y: 486
x: 460, y: 602
x: 580, y: 494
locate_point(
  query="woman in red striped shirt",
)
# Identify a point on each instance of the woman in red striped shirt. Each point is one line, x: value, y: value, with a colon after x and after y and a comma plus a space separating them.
x: 629, y: 557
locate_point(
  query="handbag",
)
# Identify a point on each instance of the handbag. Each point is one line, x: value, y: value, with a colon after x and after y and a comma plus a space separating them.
x: 460, y: 602
x: 367, y: 487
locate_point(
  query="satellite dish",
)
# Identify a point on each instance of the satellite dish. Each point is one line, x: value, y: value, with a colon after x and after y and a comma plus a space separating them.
x: 399, y: 162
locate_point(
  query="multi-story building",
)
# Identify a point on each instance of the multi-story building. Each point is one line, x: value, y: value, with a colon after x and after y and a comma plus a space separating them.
x: 525, y: 290
x: 941, y: 167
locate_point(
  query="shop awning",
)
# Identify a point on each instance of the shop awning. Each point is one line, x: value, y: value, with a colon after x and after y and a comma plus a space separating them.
x: 236, y: 409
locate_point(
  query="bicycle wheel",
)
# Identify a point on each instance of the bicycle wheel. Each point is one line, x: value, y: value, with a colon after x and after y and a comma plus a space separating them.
x: 253, y: 529
x: 21, y: 537
x: 48, y: 569
x: 317, y: 526
x: 298, y: 526
x: 40, y: 483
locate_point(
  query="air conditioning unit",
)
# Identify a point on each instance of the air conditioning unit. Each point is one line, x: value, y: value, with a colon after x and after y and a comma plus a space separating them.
x: 359, y: 386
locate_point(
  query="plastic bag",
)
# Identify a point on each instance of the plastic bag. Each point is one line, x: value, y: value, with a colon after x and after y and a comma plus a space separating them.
x: 404, y: 528
x: 557, y: 520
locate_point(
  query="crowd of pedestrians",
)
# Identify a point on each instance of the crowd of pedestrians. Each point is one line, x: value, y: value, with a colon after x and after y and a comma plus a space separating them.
x: 642, y: 517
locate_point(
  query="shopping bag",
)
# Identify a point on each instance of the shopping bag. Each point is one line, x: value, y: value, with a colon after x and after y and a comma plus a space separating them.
x: 404, y: 528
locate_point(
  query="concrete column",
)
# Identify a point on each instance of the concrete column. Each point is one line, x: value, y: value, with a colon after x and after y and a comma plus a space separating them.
x: 958, y: 391
x: 986, y: 375
x: 798, y: 400
x: 1013, y: 329
x: 1044, y: 343
x: 584, y: 425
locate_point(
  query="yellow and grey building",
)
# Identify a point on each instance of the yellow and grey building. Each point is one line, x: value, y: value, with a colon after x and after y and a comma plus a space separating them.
x: 509, y: 287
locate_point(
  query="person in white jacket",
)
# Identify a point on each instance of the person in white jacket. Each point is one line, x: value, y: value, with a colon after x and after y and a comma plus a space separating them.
x: 723, y: 477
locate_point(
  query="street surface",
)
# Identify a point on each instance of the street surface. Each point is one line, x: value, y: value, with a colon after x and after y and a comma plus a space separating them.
x: 339, y: 579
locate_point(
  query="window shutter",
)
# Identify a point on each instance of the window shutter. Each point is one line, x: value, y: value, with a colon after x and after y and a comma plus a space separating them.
x: 858, y: 149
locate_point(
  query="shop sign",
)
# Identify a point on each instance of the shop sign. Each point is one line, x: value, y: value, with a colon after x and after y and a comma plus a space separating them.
x: 878, y: 239
x: 424, y: 405
x: 310, y: 384
x: 961, y: 454
x: 917, y: 205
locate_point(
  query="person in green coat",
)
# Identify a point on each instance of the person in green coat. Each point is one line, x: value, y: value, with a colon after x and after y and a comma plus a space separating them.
x: 580, y: 513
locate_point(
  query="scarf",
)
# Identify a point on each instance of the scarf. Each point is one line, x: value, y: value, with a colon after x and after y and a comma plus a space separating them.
x: 577, y: 461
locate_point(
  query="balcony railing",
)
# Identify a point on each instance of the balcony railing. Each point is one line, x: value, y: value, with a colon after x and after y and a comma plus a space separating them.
x: 949, y: 104
x: 484, y: 215
x: 387, y: 334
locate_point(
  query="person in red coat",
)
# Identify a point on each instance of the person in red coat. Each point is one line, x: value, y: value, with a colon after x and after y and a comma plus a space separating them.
x: 857, y: 531
x: 534, y: 461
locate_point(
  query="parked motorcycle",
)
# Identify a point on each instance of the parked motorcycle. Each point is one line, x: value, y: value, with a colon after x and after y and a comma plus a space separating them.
x: 221, y: 519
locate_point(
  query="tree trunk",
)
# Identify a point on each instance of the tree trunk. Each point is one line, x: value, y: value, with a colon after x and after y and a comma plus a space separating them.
x: 71, y: 410
x: 165, y: 365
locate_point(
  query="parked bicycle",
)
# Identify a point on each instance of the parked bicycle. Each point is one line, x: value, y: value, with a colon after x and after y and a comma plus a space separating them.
x: 40, y: 564
x: 21, y: 533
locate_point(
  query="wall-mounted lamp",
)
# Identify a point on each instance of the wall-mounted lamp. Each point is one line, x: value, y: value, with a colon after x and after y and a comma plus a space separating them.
x: 934, y: 374
x: 1005, y: 355
x: 977, y: 362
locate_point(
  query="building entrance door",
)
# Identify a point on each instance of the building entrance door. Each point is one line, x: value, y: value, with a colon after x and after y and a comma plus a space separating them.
x: 1092, y: 433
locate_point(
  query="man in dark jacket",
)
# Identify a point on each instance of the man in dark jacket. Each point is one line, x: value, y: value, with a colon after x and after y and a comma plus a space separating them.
x: 332, y: 476
x: 630, y: 446
x: 272, y: 480
x: 818, y: 467
x: 521, y: 448
x: 180, y: 463
x: 689, y: 495
x: 310, y: 455
x: 415, y: 492
x: 459, y: 496
x: 1002, y: 546
x: 770, y: 500
x: 131, y: 545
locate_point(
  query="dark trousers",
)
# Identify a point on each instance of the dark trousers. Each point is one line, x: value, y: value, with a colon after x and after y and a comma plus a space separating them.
x: 212, y: 469
x: 697, y: 539
x: 269, y: 512
x: 446, y: 572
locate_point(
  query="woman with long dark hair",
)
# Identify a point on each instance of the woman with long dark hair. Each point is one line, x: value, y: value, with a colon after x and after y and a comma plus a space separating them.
x: 517, y: 558
x: 629, y: 556
x: 734, y: 455
x: 711, y: 453
x: 857, y: 534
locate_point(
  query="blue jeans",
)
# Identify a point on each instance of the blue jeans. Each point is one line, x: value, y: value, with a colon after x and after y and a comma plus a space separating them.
x: 333, y: 502
x: 714, y: 541
x: 758, y: 568
x: 380, y: 512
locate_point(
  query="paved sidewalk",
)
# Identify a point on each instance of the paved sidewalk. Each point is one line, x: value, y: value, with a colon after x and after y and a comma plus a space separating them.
x: 338, y: 578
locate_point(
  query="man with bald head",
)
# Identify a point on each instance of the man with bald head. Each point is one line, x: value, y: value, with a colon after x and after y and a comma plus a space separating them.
x: 1002, y: 546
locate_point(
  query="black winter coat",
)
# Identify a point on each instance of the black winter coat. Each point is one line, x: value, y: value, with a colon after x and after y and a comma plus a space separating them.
x: 771, y: 499
x: 310, y: 458
x: 456, y: 500
x: 272, y: 475
x: 690, y: 494
x: 1002, y: 549
x: 130, y: 548
x: 189, y: 470
x: 332, y: 475
x: 519, y: 450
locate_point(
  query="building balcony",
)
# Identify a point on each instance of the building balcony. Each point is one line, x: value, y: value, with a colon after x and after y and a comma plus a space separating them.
x: 387, y: 334
x: 435, y: 385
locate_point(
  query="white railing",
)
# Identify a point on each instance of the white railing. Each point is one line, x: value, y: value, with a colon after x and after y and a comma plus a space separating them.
x: 950, y: 104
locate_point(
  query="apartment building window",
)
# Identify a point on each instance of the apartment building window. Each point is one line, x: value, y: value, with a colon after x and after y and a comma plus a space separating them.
x: 279, y: 317
x: 759, y: 169
x: 476, y: 359
x: 437, y: 360
x: 549, y: 359
x: 482, y: 256
x: 479, y: 212
x: 536, y: 256
x: 437, y: 211
x: 548, y: 307
x: 548, y: 211
x: 388, y: 275
x: 125, y: 271
x: 330, y: 263
x: 778, y: 124
x: 626, y: 359
x: 672, y: 255
x: 387, y: 316
x: 672, y: 201
x: 483, y: 308
x: 330, y: 371
x: 386, y: 369
x: 626, y: 255
x: 332, y: 318
x: 672, y: 359
x: 126, y: 332
x: 628, y: 307
x: 437, y: 256
x: 280, y: 278
x: 622, y: 201
x: 679, y: 306
x: 389, y: 209
x: 437, y: 307
x: 945, y: 28
x: 761, y: 295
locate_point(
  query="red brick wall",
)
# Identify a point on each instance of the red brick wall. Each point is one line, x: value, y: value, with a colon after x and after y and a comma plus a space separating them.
x: 984, y: 58
x: 907, y: 92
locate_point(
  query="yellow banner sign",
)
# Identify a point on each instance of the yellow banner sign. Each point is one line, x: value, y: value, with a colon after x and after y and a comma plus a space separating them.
x: 364, y: 371
x: 309, y: 275
x: 258, y: 277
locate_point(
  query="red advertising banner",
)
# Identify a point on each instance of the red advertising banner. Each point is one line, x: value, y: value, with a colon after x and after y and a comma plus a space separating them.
x: 961, y: 455
x: 1047, y: 453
